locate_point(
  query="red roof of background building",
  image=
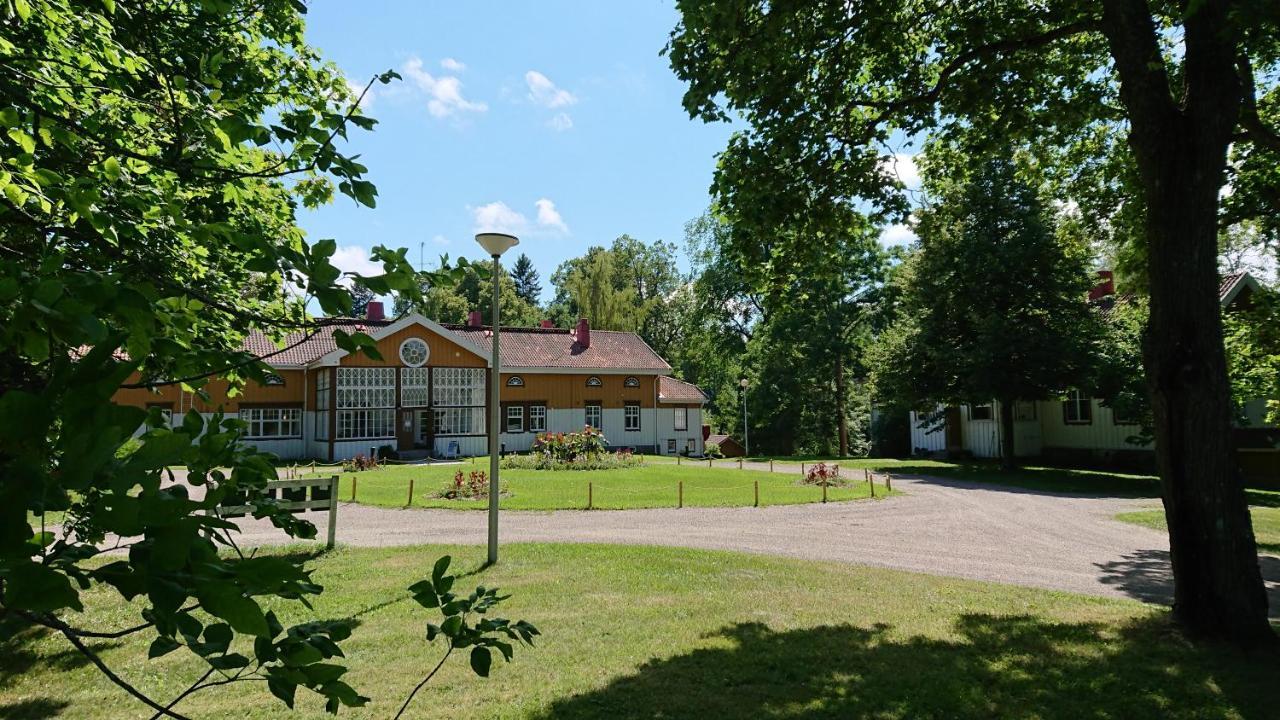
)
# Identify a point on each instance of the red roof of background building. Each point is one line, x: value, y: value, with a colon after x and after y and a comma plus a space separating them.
x: 674, y: 390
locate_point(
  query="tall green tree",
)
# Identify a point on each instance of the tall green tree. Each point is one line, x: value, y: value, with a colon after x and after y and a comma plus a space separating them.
x: 526, y: 280
x: 1163, y: 88
x: 992, y: 304
x: 593, y: 292
x: 151, y: 161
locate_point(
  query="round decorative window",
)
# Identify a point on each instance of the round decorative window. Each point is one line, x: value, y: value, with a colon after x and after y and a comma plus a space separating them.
x: 414, y: 352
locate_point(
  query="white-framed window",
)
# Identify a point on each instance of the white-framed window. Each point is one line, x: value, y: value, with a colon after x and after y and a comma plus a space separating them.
x: 594, y: 381
x: 671, y: 446
x: 272, y: 422
x: 414, y: 352
x: 166, y: 413
x: 322, y: 390
x: 413, y: 387
x: 594, y: 415
x: 631, y: 381
x: 459, y: 421
x: 515, y: 381
x: 366, y: 424
x: 1077, y: 409
x: 537, y: 418
x: 631, y: 417
x: 366, y: 387
x: 690, y: 446
x: 681, y: 418
x: 272, y: 379
x: 980, y: 412
x: 515, y: 418
x: 457, y: 387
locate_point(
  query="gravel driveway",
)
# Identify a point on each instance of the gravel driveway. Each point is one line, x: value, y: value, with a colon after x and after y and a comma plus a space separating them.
x: 940, y: 527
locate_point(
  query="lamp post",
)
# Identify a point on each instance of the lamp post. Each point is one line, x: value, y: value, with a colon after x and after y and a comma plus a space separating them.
x: 495, y: 244
x: 746, y: 436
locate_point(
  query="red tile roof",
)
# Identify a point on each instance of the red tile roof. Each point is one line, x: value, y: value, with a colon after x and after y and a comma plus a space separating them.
x: 557, y: 348
x: 521, y: 347
x: 673, y: 390
x: 1227, y: 283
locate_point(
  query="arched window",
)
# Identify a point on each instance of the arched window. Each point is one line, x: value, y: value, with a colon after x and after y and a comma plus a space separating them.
x: 414, y: 352
x: 631, y: 381
x: 515, y: 381
x: 273, y: 379
x: 594, y: 381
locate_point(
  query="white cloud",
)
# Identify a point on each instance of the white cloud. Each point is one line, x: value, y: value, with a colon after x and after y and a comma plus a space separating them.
x: 560, y: 122
x: 897, y: 235
x: 444, y: 93
x: 440, y: 240
x: 903, y: 167
x: 545, y: 93
x: 549, y: 217
x: 497, y: 216
x: 452, y: 65
x: 354, y: 259
x: 356, y: 88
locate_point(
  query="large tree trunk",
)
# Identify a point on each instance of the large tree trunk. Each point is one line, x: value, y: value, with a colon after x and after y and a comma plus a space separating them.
x: 840, y: 407
x: 1181, y: 150
x: 1008, y: 460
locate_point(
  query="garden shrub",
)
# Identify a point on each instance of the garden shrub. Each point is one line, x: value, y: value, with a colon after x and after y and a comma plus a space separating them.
x: 824, y: 474
x: 586, y: 450
x: 712, y: 450
x: 360, y: 462
x: 469, y: 486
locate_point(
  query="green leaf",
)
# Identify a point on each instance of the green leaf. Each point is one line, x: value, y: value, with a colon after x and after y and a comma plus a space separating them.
x: 225, y: 601
x: 481, y: 659
x: 111, y: 167
x: 35, y: 587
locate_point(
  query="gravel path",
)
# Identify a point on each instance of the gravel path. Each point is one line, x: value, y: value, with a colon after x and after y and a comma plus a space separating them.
x: 940, y: 527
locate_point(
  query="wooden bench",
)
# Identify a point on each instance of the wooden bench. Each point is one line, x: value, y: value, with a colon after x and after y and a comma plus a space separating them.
x: 295, y: 496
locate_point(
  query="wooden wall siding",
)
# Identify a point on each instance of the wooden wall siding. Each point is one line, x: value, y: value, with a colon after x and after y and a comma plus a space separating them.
x: 1101, y: 434
x: 141, y: 397
x: 571, y: 391
x: 290, y: 393
x: 444, y: 352
x: 923, y: 439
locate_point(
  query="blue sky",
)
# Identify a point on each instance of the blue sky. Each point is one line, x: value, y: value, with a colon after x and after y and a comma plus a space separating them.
x: 557, y: 121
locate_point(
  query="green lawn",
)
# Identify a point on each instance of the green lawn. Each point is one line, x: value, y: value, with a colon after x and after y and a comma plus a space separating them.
x: 1266, y: 522
x: 632, y: 632
x: 649, y: 486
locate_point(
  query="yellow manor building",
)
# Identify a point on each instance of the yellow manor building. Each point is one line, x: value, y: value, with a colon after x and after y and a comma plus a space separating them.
x: 429, y: 393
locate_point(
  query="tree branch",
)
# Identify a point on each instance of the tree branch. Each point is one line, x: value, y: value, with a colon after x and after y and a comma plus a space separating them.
x: 434, y: 670
x: 119, y: 681
x: 1255, y: 129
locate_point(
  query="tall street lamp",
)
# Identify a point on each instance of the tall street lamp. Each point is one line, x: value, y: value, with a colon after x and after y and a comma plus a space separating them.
x: 495, y: 244
x: 746, y: 436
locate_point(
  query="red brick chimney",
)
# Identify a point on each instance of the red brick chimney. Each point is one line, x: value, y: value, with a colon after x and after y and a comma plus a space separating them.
x: 546, y: 324
x: 473, y: 319
x: 706, y: 432
x: 1106, y: 285
x: 374, y: 311
x: 583, y: 333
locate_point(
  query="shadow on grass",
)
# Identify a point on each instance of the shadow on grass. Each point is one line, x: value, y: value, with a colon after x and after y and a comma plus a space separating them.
x: 993, y: 667
x: 1147, y: 575
x: 1043, y: 480
x: 18, y: 656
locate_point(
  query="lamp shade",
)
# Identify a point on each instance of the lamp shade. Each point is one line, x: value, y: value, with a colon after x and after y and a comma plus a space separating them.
x: 743, y: 382
x: 496, y: 243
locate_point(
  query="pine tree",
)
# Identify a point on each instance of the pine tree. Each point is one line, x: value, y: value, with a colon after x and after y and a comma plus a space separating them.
x: 528, y: 285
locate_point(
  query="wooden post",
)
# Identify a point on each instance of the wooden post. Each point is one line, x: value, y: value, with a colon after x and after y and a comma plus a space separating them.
x: 757, y: 503
x: 770, y: 464
x: 410, y: 503
x: 680, y: 497
x: 888, y: 482
x: 333, y: 510
x: 590, y: 492
x: 871, y: 482
x: 739, y: 463
x: 708, y: 463
x: 313, y: 466
x: 677, y: 458
x: 801, y: 468
x: 354, y: 479
x: 824, y: 490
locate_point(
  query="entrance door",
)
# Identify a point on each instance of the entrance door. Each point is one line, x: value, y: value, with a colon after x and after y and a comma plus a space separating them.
x: 423, y: 433
x: 404, y: 431
x: 955, y: 440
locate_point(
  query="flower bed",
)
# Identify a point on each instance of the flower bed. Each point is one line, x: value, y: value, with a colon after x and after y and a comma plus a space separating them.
x: 586, y: 450
x: 469, y: 486
x: 824, y: 474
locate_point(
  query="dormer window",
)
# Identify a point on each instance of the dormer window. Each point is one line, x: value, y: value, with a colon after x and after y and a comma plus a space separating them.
x: 631, y: 381
x: 594, y: 381
x: 515, y: 381
x: 272, y: 379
